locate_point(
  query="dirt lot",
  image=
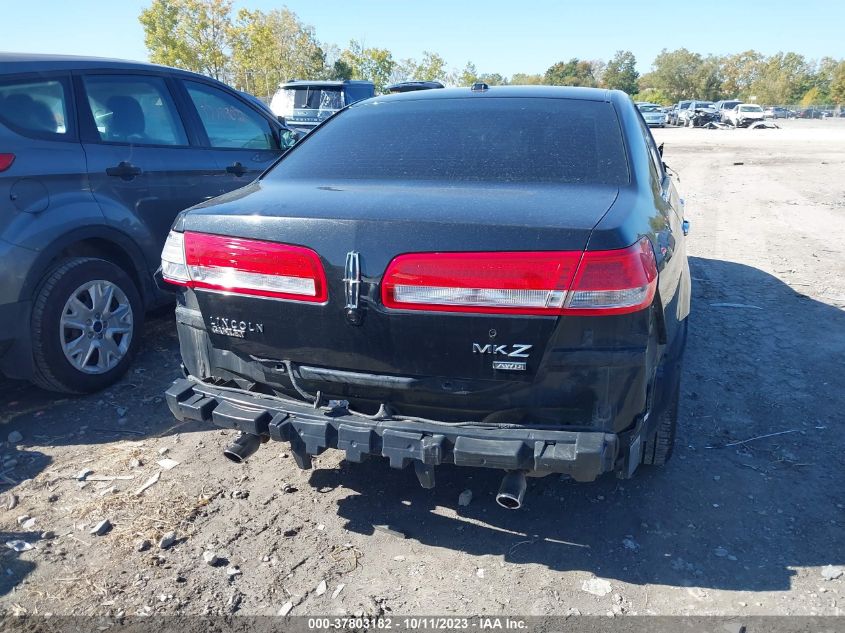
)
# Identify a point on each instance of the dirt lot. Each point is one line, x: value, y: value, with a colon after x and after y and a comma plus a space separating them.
x: 727, y: 528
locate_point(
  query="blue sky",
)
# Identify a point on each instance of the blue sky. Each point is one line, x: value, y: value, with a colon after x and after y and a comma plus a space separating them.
x: 498, y: 36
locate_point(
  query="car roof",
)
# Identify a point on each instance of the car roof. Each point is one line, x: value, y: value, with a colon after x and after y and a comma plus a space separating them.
x: 32, y: 62
x: 325, y: 82
x: 545, y: 92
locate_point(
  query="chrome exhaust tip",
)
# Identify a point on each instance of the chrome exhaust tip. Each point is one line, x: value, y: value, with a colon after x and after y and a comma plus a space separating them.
x: 242, y: 447
x: 512, y: 490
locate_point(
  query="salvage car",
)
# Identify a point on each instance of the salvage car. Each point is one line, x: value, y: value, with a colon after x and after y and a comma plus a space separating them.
x: 653, y: 114
x: 745, y: 114
x: 675, y: 112
x: 97, y: 157
x: 723, y: 107
x: 777, y: 112
x: 511, y: 292
x: 697, y: 113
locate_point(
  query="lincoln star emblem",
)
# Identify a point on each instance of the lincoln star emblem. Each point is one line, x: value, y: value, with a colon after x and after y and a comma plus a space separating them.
x: 352, y: 288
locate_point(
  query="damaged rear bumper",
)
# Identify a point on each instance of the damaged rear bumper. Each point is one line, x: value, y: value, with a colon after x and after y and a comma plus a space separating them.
x: 583, y: 455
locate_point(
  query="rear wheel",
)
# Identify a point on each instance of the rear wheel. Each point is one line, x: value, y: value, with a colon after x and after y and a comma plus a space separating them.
x: 667, y: 395
x: 86, y: 320
x: 658, y: 448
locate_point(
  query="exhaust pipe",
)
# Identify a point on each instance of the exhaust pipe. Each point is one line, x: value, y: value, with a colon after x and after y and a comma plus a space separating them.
x: 512, y: 490
x: 242, y: 447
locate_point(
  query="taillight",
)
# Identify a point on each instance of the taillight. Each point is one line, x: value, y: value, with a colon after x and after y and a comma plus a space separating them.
x: 502, y: 283
x: 614, y: 282
x: 242, y: 266
x: 6, y: 161
x: 534, y: 283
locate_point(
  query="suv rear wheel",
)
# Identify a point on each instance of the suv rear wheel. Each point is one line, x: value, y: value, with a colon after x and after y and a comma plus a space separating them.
x: 86, y: 321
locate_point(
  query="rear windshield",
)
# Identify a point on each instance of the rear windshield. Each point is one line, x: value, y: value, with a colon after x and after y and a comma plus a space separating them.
x: 314, y: 98
x: 650, y: 108
x: 466, y: 140
x: 750, y: 108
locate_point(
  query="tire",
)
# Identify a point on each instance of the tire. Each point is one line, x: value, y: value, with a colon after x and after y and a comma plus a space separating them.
x: 658, y: 448
x: 75, y: 348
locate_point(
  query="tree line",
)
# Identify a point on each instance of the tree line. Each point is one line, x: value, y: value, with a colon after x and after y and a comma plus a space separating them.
x: 256, y: 50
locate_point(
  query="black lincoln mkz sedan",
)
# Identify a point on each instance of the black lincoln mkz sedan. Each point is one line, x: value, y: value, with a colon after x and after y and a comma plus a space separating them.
x: 486, y: 277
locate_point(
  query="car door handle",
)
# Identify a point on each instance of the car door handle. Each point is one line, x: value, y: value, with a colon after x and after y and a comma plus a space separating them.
x: 124, y: 170
x: 237, y: 169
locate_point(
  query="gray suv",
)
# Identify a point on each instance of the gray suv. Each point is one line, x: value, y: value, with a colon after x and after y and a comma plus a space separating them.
x: 97, y: 157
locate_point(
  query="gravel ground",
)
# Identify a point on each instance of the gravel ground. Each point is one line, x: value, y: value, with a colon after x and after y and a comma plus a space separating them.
x: 727, y: 528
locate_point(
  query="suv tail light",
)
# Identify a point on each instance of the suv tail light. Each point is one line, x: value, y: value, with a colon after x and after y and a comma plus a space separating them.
x: 242, y: 266
x: 537, y: 283
x: 6, y: 161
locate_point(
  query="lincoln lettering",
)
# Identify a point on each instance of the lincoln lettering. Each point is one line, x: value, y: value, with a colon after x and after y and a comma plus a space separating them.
x: 234, y: 327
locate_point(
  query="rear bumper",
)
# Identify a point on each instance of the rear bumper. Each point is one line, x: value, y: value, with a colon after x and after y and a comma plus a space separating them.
x: 583, y: 455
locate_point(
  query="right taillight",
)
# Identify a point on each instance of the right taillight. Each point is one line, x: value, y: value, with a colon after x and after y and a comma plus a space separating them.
x: 614, y: 282
x: 591, y: 283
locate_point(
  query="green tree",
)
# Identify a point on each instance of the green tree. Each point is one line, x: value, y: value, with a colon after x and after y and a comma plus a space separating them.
x: 273, y: 47
x: 823, y: 77
x: 675, y: 74
x: 653, y: 95
x: 707, y: 79
x: 431, y: 68
x: 524, y: 79
x: 467, y: 76
x: 189, y: 34
x: 621, y: 73
x: 340, y: 71
x: 373, y: 64
x: 493, y: 79
x: 837, y: 84
x: 575, y: 72
x: 404, y: 70
x: 784, y: 79
x: 811, y: 97
x: 739, y: 72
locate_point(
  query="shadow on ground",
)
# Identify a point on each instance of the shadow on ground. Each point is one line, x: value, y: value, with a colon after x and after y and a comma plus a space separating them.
x: 731, y: 517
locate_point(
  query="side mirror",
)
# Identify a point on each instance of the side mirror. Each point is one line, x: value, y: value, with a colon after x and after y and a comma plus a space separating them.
x: 282, y: 120
x: 660, y: 149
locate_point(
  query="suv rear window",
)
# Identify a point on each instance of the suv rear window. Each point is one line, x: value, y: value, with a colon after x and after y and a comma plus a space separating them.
x: 491, y: 139
x: 34, y: 107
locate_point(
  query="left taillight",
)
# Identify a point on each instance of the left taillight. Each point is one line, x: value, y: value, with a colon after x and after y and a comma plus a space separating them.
x: 243, y: 266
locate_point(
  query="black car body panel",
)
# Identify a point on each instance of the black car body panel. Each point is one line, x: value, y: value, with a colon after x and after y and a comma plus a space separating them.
x: 587, y: 375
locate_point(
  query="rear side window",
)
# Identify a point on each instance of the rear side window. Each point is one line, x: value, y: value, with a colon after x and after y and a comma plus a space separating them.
x: 228, y: 122
x: 488, y: 139
x: 35, y: 107
x: 134, y: 109
x: 357, y: 92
